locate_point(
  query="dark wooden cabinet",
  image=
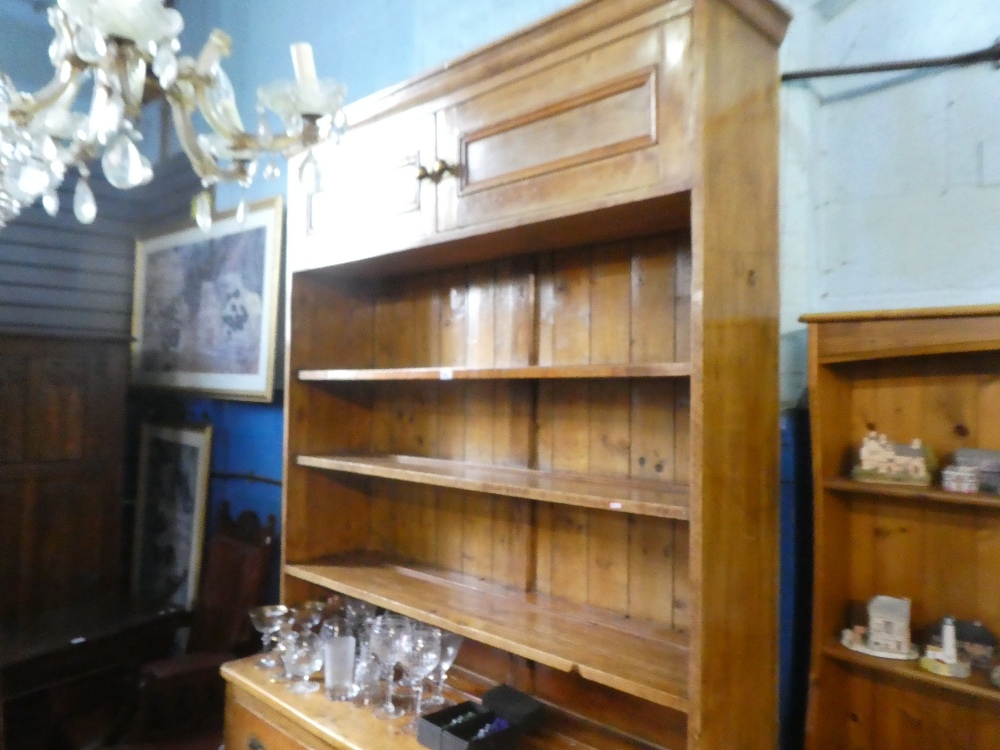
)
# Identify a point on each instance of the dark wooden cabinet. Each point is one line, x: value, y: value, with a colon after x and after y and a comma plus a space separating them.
x: 61, y: 454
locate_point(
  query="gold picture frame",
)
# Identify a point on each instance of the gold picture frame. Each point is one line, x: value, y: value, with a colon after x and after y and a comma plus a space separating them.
x: 205, y: 306
x: 170, y: 510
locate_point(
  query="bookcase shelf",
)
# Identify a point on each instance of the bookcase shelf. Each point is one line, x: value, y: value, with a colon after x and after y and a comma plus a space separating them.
x: 927, y: 374
x: 913, y: 494
x: 535, y: 372
x: 976, y: 686
x: 637, y: 658
x: 638, y: 496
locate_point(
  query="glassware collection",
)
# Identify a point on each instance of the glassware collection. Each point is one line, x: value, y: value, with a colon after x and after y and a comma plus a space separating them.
x: 358, y: 649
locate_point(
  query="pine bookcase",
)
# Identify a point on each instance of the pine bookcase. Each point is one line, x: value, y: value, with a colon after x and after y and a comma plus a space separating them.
x: 928, y: 374
x: 532, y: 371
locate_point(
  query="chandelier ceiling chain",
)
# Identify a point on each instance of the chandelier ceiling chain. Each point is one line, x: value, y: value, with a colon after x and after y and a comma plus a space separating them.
x: 130, y: 52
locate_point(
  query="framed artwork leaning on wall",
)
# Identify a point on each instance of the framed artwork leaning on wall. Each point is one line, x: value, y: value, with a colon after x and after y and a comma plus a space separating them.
x: 169, y: 529
x: 205, y: 307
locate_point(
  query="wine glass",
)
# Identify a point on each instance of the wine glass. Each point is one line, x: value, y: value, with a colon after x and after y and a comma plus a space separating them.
x: 421, y: 654
x: 303, y: 658
x: 450, y: 644
x: 307, y: 615
x: 366, y: 667
x: 359, y: 614
x: 266, y: 620
x: 284, y: 638
x: 388, y: 640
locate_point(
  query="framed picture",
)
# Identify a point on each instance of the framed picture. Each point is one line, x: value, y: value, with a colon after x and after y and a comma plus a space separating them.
x: 170, y: 513
x: 205, y: 311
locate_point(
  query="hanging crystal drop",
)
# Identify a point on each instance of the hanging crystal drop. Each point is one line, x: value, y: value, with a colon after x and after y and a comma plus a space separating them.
x: 309, y: 174
x: 84, y: 205
x: 134, y: 79
x: 271, y: 170
x: 61, y: 46
x: 90, y: 45
x: 241, y: 212
x: 220, y: 100
x: 147, y: 170
x: 264, y: 135
x: 123, y: 164
x: 203, y: 210
x: 165, y: 66
x: 50, y: 202
x: 294, y: 125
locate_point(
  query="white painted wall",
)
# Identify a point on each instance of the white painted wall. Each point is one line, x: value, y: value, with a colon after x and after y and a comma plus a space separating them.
x: 890, y: 183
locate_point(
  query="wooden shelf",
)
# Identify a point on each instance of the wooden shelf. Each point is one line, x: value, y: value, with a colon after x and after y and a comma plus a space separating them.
x: 910, y: 492
x: 638, y: 658
x: 977, y: 686
x: 653, y: 370
x: 639, y: 496
x: 342, y: 724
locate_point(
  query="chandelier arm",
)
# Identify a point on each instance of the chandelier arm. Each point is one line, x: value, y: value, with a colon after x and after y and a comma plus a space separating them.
x: 239, y: 138
x: 67, y: 79
x: 43, y: 134
x: 203, y: 163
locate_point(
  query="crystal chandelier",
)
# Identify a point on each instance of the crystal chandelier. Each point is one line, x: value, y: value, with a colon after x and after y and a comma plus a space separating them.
x: 129, y: 49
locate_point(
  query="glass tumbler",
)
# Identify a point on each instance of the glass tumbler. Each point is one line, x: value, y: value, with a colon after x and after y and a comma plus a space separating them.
x: 339, y: 645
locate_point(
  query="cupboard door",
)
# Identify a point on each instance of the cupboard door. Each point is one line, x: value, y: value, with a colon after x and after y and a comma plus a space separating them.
x: 591, y: 126
x: 372, y: 198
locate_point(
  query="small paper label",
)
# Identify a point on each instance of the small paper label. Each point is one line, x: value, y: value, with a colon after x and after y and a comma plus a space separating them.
x: 615, y: 506
x: 77, y: 641
x: 447, y: 373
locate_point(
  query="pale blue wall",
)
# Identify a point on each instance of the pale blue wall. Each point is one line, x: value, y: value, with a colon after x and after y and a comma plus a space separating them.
x: 24, y: 44
x: 890, y: 184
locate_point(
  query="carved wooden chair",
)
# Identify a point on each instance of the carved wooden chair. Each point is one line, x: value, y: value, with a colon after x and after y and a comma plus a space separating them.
x: 184, y: 696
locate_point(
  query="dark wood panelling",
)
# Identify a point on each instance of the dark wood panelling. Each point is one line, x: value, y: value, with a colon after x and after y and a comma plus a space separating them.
x: 61, y: 449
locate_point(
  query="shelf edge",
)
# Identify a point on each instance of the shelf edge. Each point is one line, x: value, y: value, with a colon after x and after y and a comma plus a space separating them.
x: 675, y: 512
x: 430, y: 616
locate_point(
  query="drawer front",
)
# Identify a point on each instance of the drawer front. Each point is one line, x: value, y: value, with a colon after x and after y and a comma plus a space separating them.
x: 371, y: 199
x: 252, y: 726
x: 551, y: 141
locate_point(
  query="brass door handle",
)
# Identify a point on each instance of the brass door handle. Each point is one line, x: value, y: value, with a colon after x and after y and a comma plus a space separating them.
x: 255, y: 744
x: 439, y: 169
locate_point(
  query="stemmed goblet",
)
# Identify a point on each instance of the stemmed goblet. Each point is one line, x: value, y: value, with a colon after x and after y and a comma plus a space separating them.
x: 307, y: 615
x: 388, y: 640
x: 303, y: 658
x: 266, y: 620
x: 450, y: 644
x: 366, y: 666
x: 421, y: 655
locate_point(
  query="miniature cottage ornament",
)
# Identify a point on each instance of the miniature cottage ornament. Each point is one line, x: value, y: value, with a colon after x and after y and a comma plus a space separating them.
x: 964, y: 479
x: 888, y: 631
x: 881, y: 460
x: 986, y: 464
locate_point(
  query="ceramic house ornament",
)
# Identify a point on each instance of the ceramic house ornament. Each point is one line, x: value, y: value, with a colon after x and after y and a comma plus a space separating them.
x: 888, y: 631
x: 881, y: 460
x: 986, y: 464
